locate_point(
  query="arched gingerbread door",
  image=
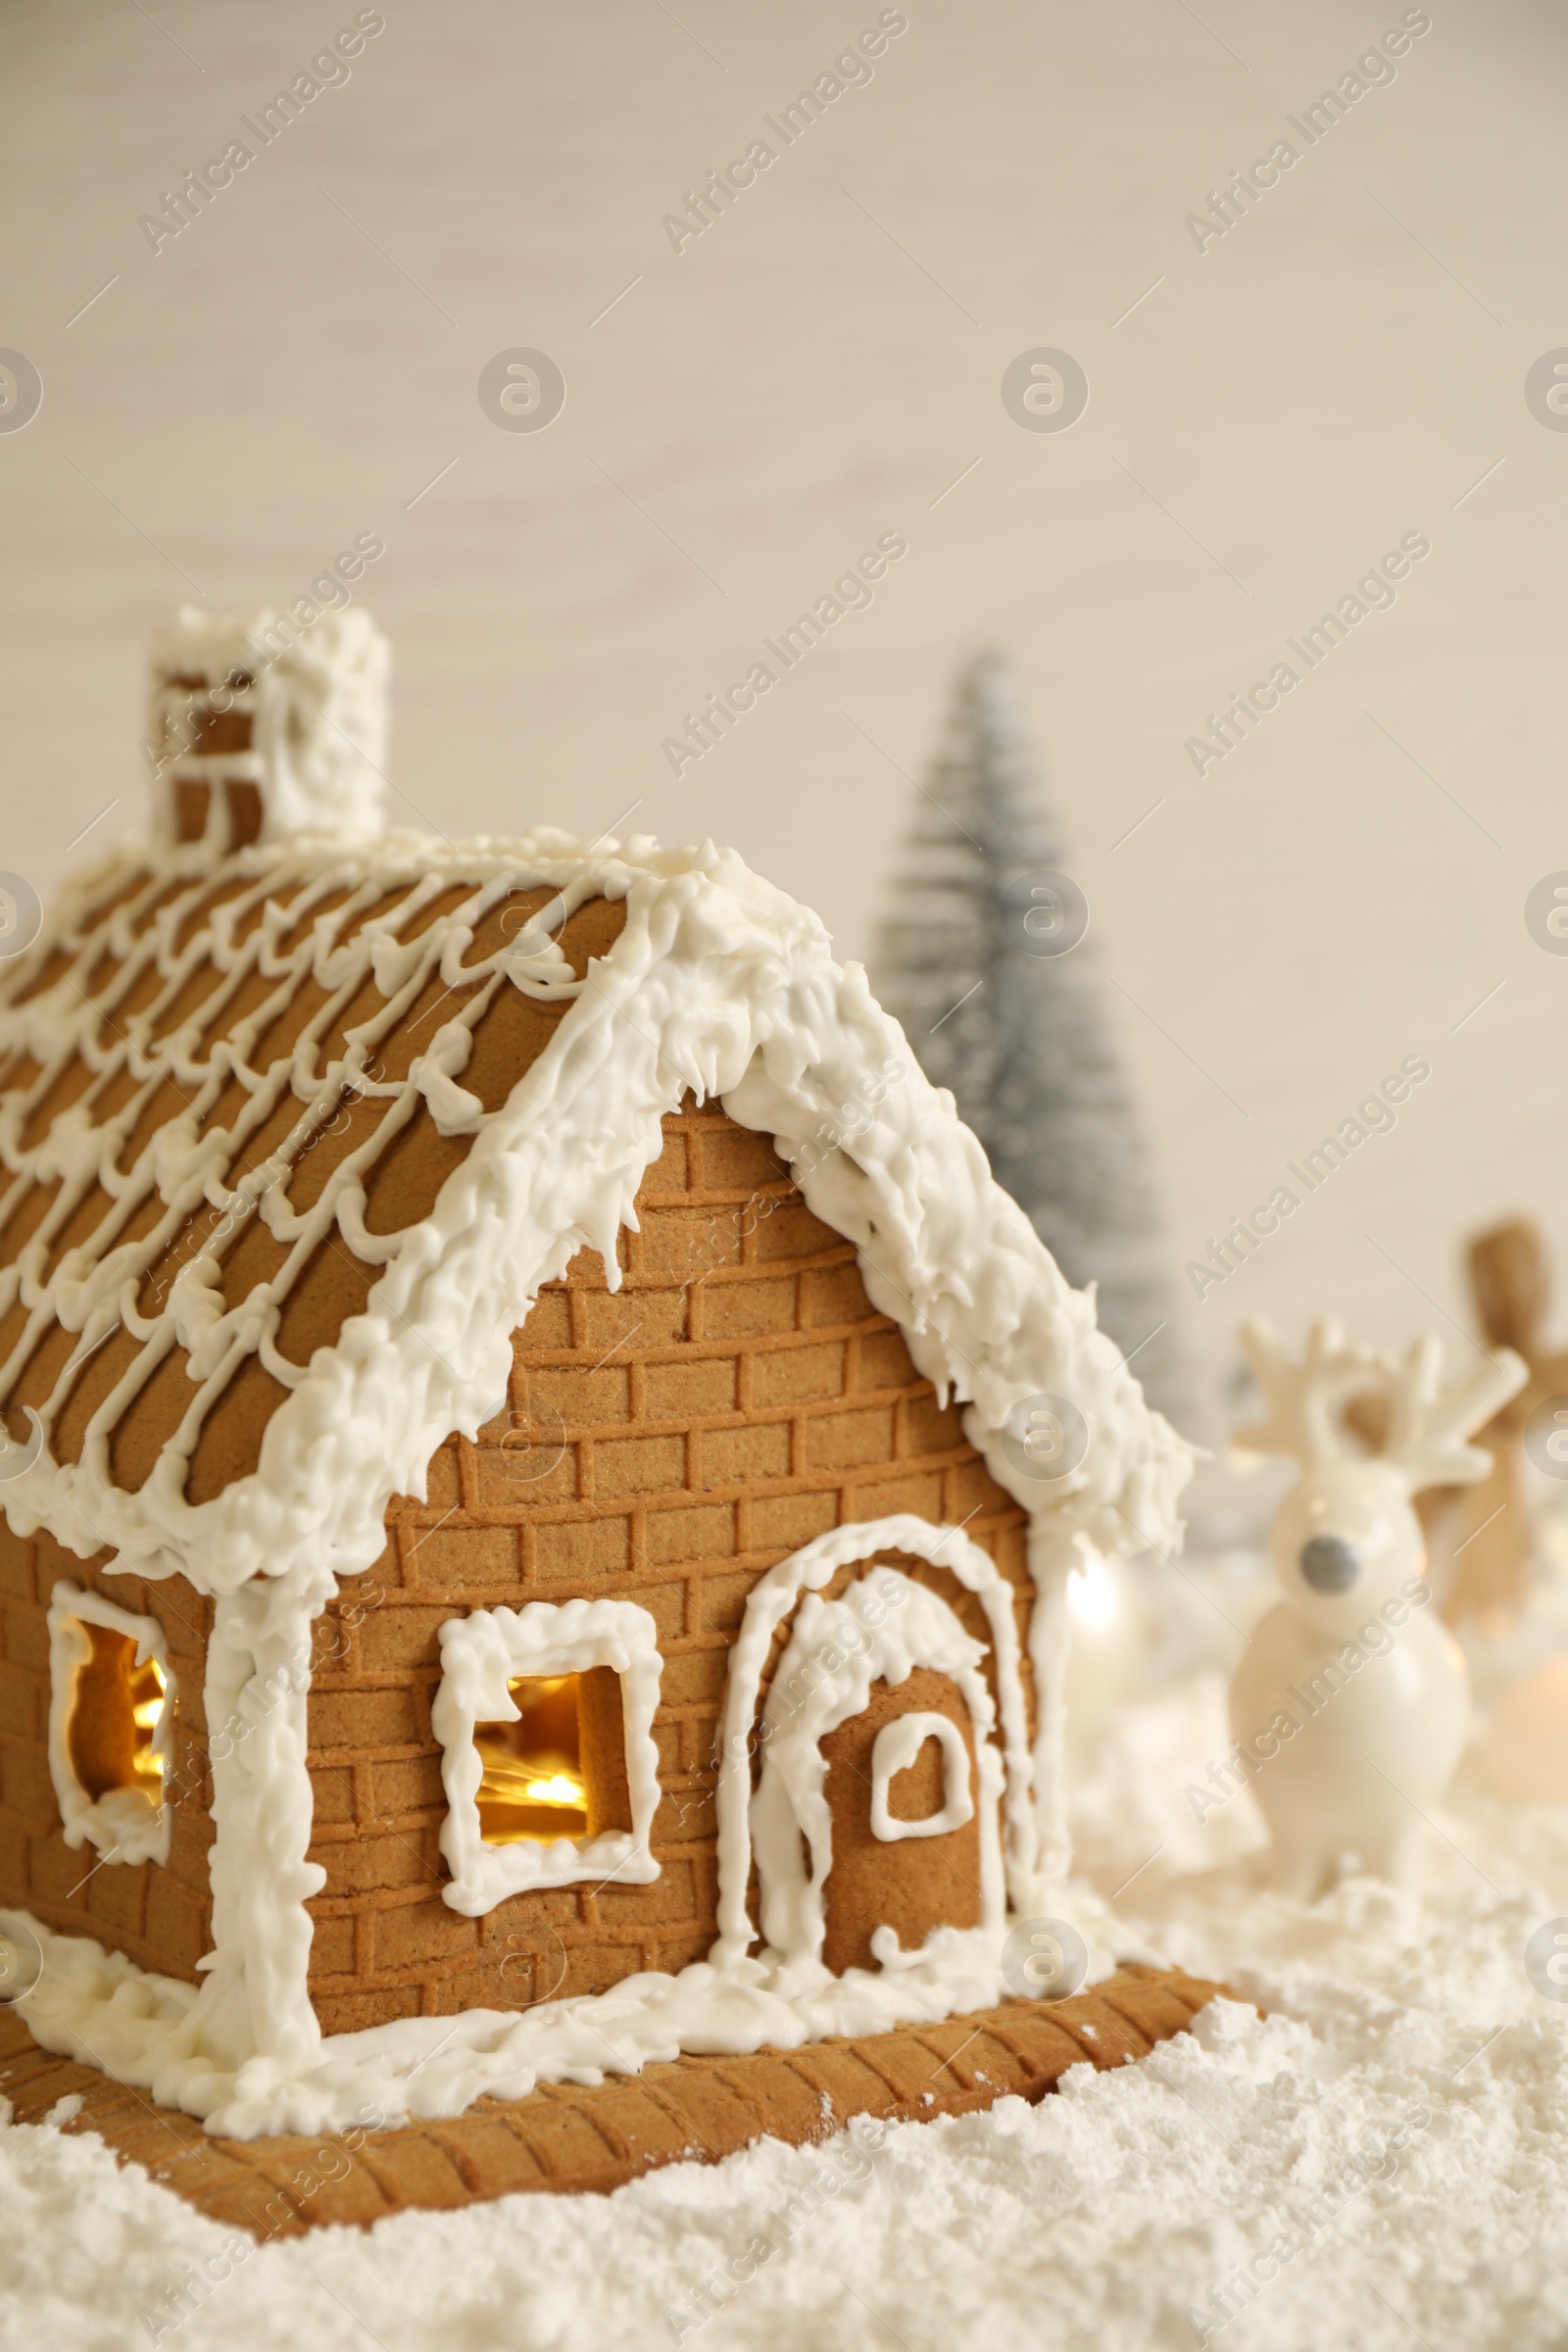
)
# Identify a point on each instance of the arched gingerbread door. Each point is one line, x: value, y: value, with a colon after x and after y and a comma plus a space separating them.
x: 875, y: 1820
x: 901, y: 1791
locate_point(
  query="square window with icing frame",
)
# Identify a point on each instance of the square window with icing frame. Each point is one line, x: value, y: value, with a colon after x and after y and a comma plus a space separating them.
x: 112, y: 1700
x: 545, y: 1718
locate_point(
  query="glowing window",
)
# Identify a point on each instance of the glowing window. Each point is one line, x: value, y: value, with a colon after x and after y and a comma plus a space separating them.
x: 114, y: 1723
x: 111, y: 1725
x: 533, y: 1784
x: 545, y: 1718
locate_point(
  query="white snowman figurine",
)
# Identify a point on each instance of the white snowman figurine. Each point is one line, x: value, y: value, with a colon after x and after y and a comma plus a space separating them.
x: 1351, y: 1702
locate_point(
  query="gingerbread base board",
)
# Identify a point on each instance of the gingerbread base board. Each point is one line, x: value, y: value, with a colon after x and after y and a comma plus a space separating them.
x: 567, y: 2139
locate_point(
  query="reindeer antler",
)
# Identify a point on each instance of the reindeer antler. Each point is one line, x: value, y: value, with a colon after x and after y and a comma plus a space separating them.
x: 1429, y: 1424
x: 1299, y: 1395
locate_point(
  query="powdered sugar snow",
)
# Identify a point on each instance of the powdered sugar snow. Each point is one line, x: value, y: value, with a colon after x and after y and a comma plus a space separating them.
x: 1381, y: 2160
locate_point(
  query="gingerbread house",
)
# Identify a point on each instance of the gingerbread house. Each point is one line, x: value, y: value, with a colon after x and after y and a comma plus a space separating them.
x: 525, y: 1543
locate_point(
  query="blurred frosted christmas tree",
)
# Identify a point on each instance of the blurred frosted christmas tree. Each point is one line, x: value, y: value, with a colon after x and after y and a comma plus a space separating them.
x: 973, y: 963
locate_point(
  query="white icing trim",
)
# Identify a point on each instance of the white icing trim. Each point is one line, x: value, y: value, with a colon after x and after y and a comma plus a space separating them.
x: 101, y: 2009
x: 894, y: 1751
x: 1054, y: 1553
x: 790, y: 1809
x: 482, y: 1652
x: 123, y: 1824
x: 771, y: 1602
x: 254, y: 2012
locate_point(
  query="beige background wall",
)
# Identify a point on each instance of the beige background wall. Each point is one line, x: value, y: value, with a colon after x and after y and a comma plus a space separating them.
x: 1338, y: 370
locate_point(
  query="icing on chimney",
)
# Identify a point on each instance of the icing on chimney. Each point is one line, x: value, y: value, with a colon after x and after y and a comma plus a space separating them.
x: 260, y: 730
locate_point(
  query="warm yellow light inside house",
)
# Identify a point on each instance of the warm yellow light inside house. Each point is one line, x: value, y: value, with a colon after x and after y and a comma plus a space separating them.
x: 147, y: 1687
x: 561, y: 1789
x: 533, y: 1784
x: 114, y: 1719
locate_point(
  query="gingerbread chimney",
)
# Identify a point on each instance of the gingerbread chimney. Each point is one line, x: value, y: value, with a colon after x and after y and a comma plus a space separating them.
x: 265, y: 728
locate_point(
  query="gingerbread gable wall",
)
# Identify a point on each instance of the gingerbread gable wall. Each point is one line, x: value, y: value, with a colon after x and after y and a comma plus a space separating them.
x: 738, y: 1395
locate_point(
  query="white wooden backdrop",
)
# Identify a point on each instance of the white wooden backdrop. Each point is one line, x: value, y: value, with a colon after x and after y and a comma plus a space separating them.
x: 1338, y: 370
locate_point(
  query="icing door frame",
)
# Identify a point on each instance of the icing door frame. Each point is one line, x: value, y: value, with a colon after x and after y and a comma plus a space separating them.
x: 772, y: 1598
x: 884, y: 1625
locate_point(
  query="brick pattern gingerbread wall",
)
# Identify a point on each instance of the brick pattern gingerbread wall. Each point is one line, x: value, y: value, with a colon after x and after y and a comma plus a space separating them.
x: 160, y: 1914
x: 666, y: 1442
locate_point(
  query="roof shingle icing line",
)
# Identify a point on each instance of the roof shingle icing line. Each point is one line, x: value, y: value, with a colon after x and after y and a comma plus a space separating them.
x: 291, y: 1136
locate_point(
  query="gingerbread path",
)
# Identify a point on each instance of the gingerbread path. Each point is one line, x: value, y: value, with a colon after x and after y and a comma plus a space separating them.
x: 563, y: 2138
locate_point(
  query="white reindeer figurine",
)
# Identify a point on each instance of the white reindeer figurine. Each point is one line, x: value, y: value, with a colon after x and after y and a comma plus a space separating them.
x: 1350, y: 1705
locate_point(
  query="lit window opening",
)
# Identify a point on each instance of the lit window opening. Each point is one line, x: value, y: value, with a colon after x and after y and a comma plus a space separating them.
x: 113, y: 1696
x: 116, y: 1719
x: 558, y: 1771
x: 545, y: 1716
x: 533, y: 1784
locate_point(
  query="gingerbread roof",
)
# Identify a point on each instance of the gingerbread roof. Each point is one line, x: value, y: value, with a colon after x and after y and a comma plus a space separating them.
x: 296, y: 1120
